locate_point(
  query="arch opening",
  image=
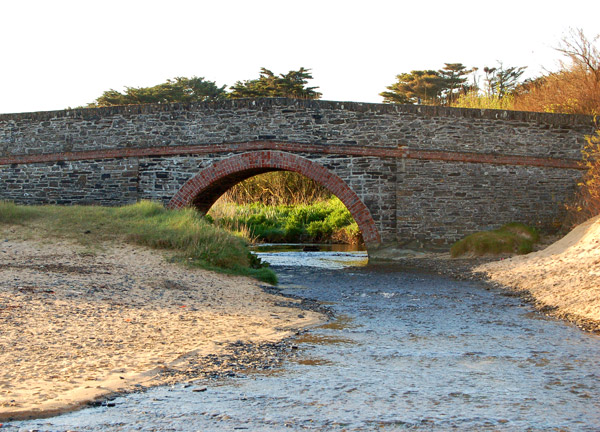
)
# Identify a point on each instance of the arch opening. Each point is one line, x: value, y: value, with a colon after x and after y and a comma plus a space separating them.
x: 204, y: 189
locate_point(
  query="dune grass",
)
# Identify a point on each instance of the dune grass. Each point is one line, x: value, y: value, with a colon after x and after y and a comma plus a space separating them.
x: 327, y: 221
x: 195, y: 241
x: 510, y: 238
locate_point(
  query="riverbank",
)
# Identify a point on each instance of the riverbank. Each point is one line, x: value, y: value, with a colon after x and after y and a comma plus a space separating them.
x: 78, y: 324
x: 561, y: 280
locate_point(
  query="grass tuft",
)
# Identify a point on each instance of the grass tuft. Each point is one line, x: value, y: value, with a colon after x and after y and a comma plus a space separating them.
x: 146, y: 223
x: 510, y: 238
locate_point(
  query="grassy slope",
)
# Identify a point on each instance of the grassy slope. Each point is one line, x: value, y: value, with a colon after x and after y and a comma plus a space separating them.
x: 195, y: 241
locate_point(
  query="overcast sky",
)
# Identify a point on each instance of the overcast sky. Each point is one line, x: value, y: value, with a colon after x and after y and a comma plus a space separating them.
x: 59, y: 54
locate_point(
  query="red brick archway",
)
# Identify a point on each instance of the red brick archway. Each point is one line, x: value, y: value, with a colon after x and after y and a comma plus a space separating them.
x: 209, y: 184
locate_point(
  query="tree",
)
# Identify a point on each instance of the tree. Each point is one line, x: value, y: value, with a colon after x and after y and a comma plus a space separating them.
x: 502, y: 82
x: 575, y: 88
x: 291, y: 85
x: 429, y: 86
x: 582, y: 52
x: 179, y: 89
x: 455, y: 76
x: 418, y: 86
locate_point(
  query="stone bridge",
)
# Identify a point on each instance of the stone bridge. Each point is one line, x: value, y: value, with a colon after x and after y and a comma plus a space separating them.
x: 408, y: 174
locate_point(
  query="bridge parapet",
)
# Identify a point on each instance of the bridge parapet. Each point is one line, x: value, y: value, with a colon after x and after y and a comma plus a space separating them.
x: 323, y: 123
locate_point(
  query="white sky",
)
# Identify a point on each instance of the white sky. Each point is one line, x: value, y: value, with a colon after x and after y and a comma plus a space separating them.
x: 58, y: 54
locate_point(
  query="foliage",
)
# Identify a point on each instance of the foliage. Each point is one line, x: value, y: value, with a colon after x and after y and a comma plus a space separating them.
x: 291, y: 85
x: 324, y: 221
x: 587, y: 201
x: 418, y: 86
x: 277, y: 188
x: 455, y: 76
x: 475, y: 99
x: 447, y: 85
x: 179, y: 89
x: 500, y: 81
x: 185, y: 232
x: 575, y: 88
x: 510, y: 238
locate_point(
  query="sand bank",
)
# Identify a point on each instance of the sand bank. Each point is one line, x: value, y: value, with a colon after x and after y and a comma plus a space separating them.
x: 563, y: 278
x: 76, y: 326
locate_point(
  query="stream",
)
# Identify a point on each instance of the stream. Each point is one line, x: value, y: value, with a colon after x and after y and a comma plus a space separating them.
x: 406, y: 350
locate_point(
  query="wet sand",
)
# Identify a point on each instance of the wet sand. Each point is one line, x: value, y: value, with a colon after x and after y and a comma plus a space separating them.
x: 77, y: 326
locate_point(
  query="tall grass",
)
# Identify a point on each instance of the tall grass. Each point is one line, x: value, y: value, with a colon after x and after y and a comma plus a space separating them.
x: 324, y: 221
x: 185, y: 232
x: 277, y: 188
x: 474, y: 99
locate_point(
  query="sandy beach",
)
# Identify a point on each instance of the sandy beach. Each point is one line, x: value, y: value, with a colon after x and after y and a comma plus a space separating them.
x: 562, y: 279
x: 76, y: 326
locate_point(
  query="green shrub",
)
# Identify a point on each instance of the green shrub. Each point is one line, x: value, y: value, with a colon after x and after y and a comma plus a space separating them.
x: 510, y: 238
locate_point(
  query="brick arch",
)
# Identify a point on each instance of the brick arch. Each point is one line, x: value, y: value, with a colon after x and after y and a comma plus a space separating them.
x: 209, y: 184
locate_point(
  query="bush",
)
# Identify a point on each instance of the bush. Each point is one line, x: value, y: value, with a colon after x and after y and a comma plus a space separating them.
x: 575, y: 88
x: 587, y: 200
x: 474, y: 99
x: 510, y: 238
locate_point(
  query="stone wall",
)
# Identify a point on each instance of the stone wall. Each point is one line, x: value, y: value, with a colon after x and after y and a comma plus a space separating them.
x: 427, y: 174
x: 298, y: 121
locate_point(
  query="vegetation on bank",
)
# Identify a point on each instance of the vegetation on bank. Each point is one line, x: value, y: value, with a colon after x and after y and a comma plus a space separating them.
x: 327, y: 221
x: 511, y: 238
x: 284, y: 206
x: 277, y: 188
x: 587, y: 199
x: 194, y: 240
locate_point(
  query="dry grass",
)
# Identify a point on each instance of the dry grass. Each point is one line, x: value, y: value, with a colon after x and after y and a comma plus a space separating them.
x: 587, y: 200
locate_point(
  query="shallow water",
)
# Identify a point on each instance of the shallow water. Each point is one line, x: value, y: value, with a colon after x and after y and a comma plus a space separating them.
x: 408, y: 350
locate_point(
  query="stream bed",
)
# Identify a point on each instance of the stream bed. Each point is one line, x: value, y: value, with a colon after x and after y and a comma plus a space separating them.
x: 406, y: 351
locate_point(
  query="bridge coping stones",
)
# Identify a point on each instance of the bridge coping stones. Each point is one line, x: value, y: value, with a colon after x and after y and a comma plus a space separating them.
x: 423, y: 110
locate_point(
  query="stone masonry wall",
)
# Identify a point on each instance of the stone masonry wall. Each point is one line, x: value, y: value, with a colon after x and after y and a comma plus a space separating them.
x: 427, y: 174
x: 299, y: 121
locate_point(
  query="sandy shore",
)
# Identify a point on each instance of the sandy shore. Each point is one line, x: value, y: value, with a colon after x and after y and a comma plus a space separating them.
x: 562, y: 279
x: 76, y: 326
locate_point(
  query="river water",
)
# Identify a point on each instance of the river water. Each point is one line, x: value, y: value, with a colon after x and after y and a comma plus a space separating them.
x: 407, y: 351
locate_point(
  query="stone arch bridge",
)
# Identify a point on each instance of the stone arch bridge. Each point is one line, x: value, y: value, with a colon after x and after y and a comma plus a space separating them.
x: 408, y: 174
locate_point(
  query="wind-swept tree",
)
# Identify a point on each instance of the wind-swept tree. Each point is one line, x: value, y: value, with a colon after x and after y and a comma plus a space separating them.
x: 455, y: 76
x: 418, y: 86
x: 179, y: 89
x: 291, y: 85
x: 500, y: 81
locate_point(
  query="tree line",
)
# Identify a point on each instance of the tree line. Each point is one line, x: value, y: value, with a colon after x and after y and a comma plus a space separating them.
x: 196, y: 89
x: 573, y: 89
